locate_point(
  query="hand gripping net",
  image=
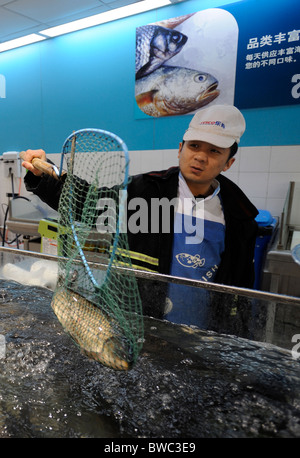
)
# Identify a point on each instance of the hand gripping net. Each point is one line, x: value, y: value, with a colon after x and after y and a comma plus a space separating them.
x: 98, y: 305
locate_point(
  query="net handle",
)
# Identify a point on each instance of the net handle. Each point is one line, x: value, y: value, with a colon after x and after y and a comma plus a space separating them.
x: 45, y: 167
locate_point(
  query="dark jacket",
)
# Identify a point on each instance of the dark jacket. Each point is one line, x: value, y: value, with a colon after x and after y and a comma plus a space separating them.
x: 153, y: 251
x: 227, y: 313
x: 236, y: 268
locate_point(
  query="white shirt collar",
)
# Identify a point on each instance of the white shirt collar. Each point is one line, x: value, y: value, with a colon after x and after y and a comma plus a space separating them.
x: 185, y: 192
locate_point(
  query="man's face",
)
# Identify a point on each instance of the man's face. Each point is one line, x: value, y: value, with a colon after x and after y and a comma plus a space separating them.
x: 200, y: 162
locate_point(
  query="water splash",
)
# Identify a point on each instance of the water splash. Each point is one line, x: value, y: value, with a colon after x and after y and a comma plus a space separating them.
x: 186, y: 383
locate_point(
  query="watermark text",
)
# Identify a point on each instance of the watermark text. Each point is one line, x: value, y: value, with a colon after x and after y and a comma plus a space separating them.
x: 139, y: 216
x: 296, y: 348
x: 2, y: 346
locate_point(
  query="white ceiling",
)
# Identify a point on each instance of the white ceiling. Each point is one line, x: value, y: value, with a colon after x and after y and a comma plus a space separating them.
x: 22, y: 17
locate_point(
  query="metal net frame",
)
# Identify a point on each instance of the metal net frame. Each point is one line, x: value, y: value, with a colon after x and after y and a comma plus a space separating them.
x: 96, y: 300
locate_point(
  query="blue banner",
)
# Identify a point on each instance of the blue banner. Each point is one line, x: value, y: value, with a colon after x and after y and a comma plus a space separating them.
x: 268, y: 58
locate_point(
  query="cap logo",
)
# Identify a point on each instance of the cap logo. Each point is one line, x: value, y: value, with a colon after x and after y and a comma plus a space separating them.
x: 213, y: 123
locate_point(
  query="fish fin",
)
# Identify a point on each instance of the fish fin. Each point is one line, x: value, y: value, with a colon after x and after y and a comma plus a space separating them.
x: 174, y: 22
x: 145, y: 98
x: 149, y: 67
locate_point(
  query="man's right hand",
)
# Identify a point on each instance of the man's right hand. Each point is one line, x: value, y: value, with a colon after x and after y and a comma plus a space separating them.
x: 27, y: 157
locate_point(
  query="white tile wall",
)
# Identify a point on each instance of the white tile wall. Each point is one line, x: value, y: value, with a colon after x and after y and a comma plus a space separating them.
x: 272, y: 168
x: 263, y: 173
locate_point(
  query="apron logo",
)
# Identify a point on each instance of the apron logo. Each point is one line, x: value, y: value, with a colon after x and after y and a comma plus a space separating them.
x: 188, y: 260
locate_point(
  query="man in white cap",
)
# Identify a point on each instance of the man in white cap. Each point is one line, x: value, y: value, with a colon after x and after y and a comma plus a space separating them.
x: 212, y: 238
x: 211, y: 134
x: 222, y: 250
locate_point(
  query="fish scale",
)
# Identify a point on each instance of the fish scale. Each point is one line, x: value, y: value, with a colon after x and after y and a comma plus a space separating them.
x: 143, y: 39
x: 154, y: 46
x: 95, y: 332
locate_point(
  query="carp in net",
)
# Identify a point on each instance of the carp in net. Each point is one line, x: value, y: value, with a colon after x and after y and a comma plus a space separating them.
x: 96, y: 300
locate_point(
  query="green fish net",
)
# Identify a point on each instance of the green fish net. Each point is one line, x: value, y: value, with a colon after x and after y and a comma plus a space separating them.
x: 96, y: 298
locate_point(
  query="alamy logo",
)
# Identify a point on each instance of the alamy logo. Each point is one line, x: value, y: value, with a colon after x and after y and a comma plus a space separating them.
x: 2, y: 87
x: 2, y: 346
x: 296, y: 348
x: 149, y: 217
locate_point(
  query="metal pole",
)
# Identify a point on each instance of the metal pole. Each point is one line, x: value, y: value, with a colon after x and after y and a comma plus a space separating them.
x: 254, y: 294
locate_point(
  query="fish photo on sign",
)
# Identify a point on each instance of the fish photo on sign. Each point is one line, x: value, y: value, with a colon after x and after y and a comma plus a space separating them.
x: 185, y: 63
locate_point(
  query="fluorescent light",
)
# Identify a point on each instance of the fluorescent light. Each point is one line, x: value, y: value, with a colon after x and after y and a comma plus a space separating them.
x: 22, y: 41
x: 97, y: 19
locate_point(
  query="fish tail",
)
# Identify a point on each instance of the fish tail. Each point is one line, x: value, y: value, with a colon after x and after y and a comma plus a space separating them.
x: 98, y: 336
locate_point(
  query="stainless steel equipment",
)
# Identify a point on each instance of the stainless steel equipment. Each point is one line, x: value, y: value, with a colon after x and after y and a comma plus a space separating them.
x: 281, y: 272
x: 25, y: 214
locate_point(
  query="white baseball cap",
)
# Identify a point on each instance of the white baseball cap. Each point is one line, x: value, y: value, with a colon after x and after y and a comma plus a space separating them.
x: 220, y: 125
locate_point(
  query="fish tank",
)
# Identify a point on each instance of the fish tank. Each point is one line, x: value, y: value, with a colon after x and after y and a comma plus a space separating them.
x: 233, y: 371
